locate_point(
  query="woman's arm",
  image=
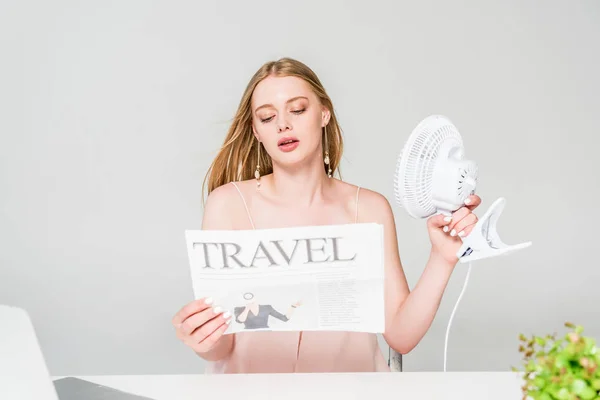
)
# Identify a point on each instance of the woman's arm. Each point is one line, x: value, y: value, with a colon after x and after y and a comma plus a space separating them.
x: 283, y: 317
x: 217, y: 217
x: 243, y: 315
x: 408, y: 315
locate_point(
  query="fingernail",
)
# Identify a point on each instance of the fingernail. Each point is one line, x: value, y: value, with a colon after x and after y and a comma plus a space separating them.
x: 217, y: 310
x: 467, y: 200
x: 446, y: 229
x: 228, y: 321
x: 461, y: 233
x: 448, y: 219
x: 209, y: 300
x: 453, y: 233
x: 226, y: 314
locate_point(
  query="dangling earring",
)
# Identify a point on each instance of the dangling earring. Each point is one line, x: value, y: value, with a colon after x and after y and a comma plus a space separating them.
x: 327, y: 154
x: 257, y: 171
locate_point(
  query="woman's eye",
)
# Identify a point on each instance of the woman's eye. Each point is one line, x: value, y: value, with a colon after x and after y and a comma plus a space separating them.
x: 268, y: 119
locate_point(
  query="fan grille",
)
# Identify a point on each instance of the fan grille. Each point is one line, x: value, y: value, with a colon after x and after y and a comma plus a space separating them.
x: 469, y: 171
x: 416, y: 163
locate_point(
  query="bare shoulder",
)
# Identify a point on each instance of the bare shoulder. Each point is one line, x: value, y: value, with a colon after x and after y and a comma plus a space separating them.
x: 220, y: 206
x: 221, y: 196
x: 374, y: 207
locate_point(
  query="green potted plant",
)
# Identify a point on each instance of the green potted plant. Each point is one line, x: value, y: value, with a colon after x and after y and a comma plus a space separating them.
x: 565, y: 368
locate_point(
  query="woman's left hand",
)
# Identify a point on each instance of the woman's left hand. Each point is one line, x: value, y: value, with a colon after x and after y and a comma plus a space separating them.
x: 446, y: 236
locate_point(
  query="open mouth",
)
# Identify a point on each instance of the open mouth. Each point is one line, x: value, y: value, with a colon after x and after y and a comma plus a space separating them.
x: 286, y: 141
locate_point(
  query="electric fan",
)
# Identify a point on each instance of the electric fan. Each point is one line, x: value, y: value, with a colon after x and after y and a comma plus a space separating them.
x: 433, y: 177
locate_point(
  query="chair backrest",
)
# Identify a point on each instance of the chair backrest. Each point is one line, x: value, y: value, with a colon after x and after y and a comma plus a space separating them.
x: 23, y: 370
x: 394, y: 360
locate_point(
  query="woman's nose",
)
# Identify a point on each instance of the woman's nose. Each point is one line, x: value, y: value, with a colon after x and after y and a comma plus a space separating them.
x: 283, y: 125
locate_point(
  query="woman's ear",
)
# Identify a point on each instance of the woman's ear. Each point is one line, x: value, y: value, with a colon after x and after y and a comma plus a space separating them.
x: 325, y: 116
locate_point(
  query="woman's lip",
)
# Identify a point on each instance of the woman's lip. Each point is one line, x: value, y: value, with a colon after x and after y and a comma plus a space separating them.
x: 289, y: 147
x: 285, y: 139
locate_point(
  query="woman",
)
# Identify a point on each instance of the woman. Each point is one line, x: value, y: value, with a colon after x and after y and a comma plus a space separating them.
x: 275, y: 170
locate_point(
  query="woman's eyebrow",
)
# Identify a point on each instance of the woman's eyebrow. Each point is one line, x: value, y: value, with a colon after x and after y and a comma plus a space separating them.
x: 287, y: 102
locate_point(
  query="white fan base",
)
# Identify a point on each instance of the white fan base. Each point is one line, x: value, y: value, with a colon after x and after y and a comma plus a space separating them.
x: 484, y: 241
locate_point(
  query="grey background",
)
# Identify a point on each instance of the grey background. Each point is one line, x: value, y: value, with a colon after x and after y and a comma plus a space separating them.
x: 111, y: 112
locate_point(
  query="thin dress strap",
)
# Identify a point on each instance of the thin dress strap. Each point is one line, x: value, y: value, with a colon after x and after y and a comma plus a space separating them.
x: 245, y: 205
x: 356, y: 214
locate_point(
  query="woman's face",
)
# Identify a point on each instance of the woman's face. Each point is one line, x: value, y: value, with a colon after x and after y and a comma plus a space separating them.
x: 287, y: 117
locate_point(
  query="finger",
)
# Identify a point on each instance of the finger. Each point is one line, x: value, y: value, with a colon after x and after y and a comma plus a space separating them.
x: 209, y: 327
x: 457, y: 216
x: 470, y: 219
x: 214, y: 337
x: 190, y: 324
x: 439, y: 220
x: 467, y: 230
x: 472, y: 202
x: 191, y: 308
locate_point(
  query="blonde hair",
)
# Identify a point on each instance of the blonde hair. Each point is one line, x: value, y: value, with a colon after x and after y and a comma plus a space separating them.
x: 238, y: 156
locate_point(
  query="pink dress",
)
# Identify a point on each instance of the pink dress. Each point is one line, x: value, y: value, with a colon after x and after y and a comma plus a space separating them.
x: 314, y: 351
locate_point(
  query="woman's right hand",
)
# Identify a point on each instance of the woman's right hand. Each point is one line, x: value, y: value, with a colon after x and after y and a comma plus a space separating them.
x: 200, y: 326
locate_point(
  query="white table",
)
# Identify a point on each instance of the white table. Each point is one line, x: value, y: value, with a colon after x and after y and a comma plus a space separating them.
x: 371, y: 386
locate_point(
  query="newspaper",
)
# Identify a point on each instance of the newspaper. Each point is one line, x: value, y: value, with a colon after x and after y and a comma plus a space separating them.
x: 315, y: 278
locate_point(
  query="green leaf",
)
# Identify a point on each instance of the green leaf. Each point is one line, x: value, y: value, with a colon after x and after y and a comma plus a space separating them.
x: 588, y: 393
x: 561, y: 361
x: 539, y: 382
x: 545, y: 396
x: 563, y: 394
x: 578, y: 386
x: 522, y: 337
x: 590, y: 345
x: 530, y: 367
x: 596, y: 384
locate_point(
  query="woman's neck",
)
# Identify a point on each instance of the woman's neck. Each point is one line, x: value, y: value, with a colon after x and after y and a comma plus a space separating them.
x: 301, y: 186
